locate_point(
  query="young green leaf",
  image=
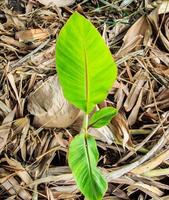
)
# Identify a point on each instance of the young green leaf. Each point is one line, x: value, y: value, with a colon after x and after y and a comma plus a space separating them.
x: 102, y: 117
x: 85, y: 65
x: 83, y: 157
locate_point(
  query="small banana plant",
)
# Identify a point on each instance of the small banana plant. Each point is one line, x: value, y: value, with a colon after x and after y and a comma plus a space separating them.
x: 86, y: 73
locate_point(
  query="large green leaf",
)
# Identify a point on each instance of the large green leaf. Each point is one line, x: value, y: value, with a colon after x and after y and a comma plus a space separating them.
x: 102, y: 117
x: 85, y: 65
x: 83, y: 157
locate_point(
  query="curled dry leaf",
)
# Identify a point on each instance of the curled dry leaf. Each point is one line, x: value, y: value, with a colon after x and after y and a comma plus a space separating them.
x: 58, y: 3
x: 5, y: 128
x: 140, y: 79
x: 120, y: 130
x: 13, y: 20
x: 104, y: 134
x: 152, y: 191
x: 134, y: 113
x: 158, y: 56
x: 19, y: 170
x: 49, y: 107
x: 163, y: 7
x: 12, y: 186
x: 160, y: 18
x: 10, y: 41
x: 122, y: 91
x: 135, y: 36
x: 151, y: 164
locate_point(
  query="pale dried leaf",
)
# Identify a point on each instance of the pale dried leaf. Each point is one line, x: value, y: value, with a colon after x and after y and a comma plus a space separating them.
x: 154, y: 20
x: 13, y: 85
x: 135, y: 91
x: 151, y: 164
x: 134, y: 36
x: 32, y: 35
x: 19, y: 170
x: 5, y: 128
x: 49, y: 107
x: 119, y: 127
x: 13, y: 187
x: 134, y: 113
x: 150, y: 190
x: 104, y: 134
x: 163, y: 7
x: 58, y: 3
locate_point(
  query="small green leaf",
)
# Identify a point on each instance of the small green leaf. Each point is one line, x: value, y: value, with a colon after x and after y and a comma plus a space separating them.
x: 102, y: 117
x: 84, y: 63
x: 83, y: 157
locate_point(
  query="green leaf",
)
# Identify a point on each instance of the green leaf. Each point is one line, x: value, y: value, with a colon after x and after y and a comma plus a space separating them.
x: 83, y: 157
x: 84, y: 63
x: 102, y: 117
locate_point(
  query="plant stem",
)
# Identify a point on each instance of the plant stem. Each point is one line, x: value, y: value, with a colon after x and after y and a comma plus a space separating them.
x: 85, y: 123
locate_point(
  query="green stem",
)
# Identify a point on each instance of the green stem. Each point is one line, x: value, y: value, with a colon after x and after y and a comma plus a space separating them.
x: 85, y: 123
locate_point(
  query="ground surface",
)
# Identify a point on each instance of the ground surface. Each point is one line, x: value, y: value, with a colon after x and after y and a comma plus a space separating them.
x: 33, y: 147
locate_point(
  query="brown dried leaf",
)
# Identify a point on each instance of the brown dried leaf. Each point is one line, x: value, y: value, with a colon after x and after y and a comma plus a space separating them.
x: 160, y: 55
x: 150, y: 190
x: 32, y: 35
x: 14, y: 20
x: 134, y: 36
x: 151, y: 164
x: 135, y: 91
x: 49, y: 107
x: 120, y: 94
x: 13, y: 187
x: 5, y: 128
x: 19, y: 170
x: 13, y: 85
x: 154, y: 18
x: 134, y: 113
x: 120, y: 130
x: 10, y: 41
x: 163, y: 7
x: 104, y: 134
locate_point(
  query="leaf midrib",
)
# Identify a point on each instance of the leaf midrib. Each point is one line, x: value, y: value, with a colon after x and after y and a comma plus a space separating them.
x: 88, y: 158
x: 86, y: 79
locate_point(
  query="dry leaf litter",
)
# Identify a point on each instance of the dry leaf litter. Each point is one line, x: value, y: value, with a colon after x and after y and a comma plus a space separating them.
x: 37, y: 122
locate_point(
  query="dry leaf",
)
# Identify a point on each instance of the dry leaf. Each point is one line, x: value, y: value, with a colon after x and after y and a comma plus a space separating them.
x: 10, y: 41
x: 13, y: 85
x: 134, y: 113
x: 151, y: 164
x: 58, y: 3
x: 14, y: 20
x: 5, y: 128
x: 163, y: 7
x: 20, y: 170
x: 135, y: 36
x: 157, y: 21
x: 150, y: 190
x: 13, y: 187
x: 32, y: 35
x: 49, y: 107
x: 104, y: 134
x: 120, y: 130
x: 135, y: 91
x: 120, y: 94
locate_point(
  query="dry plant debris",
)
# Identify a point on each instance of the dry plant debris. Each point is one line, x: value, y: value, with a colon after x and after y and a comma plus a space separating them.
x: 37, y: 123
